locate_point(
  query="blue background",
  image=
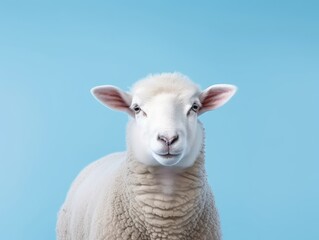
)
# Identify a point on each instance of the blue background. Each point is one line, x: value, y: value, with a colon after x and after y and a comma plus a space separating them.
x: 262, y: 147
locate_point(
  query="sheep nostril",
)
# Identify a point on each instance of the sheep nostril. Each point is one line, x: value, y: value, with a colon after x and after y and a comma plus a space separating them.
x: 167, y: 141
x: 173, y: 139
x: 163, y: 139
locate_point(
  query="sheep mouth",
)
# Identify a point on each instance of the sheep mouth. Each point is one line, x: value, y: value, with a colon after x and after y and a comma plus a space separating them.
x: 167, y: 159
x: 169, y: 155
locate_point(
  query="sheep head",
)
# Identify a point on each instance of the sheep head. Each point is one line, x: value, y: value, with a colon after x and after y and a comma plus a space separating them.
x: 165, y: 130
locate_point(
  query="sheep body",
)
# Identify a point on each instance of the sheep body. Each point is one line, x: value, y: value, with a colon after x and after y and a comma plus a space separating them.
x: 95, y: 210
x: 157, y: 189
x: 80, y: 211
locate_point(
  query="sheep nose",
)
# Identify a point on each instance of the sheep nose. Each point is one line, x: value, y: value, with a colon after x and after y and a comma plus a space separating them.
x: 167, y: 141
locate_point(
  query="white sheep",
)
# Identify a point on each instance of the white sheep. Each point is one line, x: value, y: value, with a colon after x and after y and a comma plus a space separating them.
x: 158, y: 188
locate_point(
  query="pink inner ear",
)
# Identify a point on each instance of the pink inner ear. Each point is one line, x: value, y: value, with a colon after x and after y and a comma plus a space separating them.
x: 112, y: 98
x: 212, y: 98
x: 215, y: 97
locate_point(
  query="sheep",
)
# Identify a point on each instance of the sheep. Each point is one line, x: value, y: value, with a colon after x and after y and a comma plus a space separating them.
x: 158, y: 188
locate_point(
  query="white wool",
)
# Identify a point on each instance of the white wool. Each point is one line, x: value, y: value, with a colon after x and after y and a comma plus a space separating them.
x: 156, y: 84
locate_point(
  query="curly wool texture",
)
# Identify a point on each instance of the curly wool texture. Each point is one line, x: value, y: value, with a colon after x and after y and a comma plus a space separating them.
x: 117, y: 197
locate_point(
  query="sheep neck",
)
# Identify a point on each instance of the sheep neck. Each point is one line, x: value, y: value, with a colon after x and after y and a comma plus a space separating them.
x: 164, y: 198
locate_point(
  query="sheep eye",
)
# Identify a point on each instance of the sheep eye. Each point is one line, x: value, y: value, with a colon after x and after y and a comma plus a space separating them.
x: 136, y: 109
x: 195, y: 107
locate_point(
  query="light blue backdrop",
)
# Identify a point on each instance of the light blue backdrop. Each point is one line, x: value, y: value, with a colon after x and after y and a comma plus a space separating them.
x: 262, y: 147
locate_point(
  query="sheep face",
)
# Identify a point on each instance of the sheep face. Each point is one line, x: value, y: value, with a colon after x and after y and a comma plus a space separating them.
x: 164, y: 108
x: 167, y: 126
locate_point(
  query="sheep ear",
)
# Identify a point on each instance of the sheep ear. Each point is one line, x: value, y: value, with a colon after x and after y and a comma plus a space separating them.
x: 113, y: 98
x: 216, y: 96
